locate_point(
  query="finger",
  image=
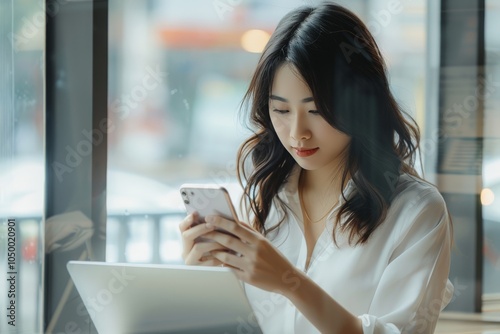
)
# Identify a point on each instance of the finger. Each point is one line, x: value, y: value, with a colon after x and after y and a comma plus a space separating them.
x: 188, y: 221
x: 191, y: 237
x: 202, y: 250
x: 225, y: 265
x: 247, y: 226
x: 235, y: 228
x: 196, y: 231
x: 212, y: 262
x: 228, y: 241
x: 206, y: 260
x: 229, y: 259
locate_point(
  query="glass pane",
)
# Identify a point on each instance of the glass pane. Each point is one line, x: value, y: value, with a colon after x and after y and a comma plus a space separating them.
x: 490, y: 196
x: 400, y: 31
x: 177, y: 73
x: 22, y: 29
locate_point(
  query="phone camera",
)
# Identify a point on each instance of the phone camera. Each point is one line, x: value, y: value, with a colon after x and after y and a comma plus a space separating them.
x: 183, y: 193
x: 186, y: 201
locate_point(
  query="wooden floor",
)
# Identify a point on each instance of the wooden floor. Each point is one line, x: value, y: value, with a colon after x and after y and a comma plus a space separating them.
x: 455, y: 323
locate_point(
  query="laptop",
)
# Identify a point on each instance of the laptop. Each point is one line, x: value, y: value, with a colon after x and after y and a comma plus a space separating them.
x: 139, y: 298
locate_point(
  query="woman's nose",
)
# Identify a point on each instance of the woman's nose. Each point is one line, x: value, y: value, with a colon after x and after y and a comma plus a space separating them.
x: 299, y: 129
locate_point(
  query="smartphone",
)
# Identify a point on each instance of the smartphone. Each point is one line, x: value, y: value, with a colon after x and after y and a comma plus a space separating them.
x: 208, y: 199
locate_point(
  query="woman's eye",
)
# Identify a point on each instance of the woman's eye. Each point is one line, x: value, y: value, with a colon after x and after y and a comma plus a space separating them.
x: 315, y: 112
x: 280, y: 111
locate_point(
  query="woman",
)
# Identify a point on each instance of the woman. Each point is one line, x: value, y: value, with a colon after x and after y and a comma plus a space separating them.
x: 342, y: 235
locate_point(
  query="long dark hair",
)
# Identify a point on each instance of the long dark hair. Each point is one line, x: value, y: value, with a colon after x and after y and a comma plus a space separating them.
x: 340, y: 61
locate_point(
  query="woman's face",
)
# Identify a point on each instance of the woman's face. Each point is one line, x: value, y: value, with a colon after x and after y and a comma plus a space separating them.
x: 309, y: 138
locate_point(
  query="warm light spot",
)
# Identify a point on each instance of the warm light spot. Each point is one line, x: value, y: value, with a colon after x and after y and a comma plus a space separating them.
x: 487, y: 196
x: 254, y: 40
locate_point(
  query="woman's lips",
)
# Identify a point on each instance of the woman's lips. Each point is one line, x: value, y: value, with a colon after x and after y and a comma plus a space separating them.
x: 303, y: 152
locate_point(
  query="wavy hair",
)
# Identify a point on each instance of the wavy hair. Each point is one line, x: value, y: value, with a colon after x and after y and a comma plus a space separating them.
x: 338, y: 58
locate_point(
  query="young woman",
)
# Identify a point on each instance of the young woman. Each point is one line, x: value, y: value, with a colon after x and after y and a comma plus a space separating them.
x: 341, y: 234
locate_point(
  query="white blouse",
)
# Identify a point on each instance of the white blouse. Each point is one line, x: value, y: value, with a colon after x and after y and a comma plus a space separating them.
x: 397, y: 282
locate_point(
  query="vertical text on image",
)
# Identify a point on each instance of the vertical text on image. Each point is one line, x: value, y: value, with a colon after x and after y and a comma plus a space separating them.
x: 11, y: 272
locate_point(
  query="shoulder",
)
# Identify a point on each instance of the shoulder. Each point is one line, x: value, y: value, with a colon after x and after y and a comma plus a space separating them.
x: 417, y: 208
x: 414, y: 193
x: 417, y: 216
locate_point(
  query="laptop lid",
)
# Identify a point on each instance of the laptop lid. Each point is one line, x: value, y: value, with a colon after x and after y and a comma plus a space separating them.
x: 140, y: 298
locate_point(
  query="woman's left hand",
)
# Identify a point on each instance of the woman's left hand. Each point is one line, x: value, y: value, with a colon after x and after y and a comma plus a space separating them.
x: 255, y: 260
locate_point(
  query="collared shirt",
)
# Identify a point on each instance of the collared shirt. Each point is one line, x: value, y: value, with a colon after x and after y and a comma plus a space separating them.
x: 396, y: 282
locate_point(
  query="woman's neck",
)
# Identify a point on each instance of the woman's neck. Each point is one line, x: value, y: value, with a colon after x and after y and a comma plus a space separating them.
x: 319, y: 193
x: 322, y: 182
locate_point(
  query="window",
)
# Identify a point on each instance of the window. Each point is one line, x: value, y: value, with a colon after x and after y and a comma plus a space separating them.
x: 490, y: 195
x: 21, y: 163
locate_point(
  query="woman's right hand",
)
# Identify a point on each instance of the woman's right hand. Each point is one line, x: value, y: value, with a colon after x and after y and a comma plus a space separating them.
x: 195, y: 250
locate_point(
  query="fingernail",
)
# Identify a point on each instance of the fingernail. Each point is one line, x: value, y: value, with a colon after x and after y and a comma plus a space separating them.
x: 209, y: 219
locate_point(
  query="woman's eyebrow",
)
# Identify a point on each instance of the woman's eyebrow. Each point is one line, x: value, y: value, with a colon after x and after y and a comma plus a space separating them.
x: 279, y: 98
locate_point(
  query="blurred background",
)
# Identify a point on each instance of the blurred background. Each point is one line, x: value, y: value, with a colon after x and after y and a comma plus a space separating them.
x: 187, y: 127
x: 177, y: 71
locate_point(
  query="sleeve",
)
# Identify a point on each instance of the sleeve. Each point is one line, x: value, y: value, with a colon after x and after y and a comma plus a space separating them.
x: 414, y: 286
